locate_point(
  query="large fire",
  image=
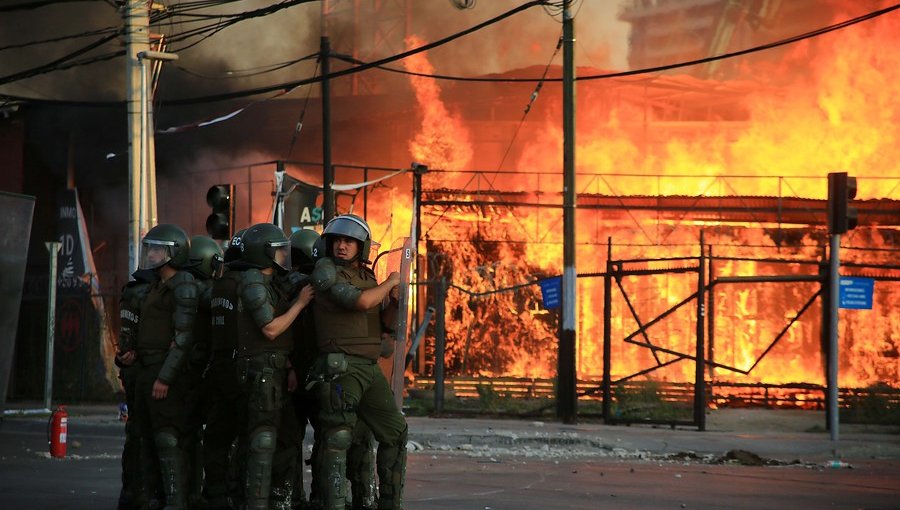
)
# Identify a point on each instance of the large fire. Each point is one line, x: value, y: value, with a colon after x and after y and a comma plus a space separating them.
x: 830, y: 105
x: 834, y: 112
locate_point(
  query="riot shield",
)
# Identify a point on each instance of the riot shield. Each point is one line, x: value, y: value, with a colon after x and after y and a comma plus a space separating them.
x: 399, y: 258
x: 407, y: 254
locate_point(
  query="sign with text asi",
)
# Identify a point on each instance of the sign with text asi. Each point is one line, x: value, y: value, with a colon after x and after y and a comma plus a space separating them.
x: 856, y: 293
x: 551, y: 290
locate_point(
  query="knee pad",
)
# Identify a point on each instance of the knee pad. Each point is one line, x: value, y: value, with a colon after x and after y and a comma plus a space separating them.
x: 404, y: 436
x: 262, y: 440
x: 338, y: 439
x: 165, y: 440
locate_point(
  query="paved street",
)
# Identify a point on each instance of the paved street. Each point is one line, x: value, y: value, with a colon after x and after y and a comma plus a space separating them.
x: 491, y: 464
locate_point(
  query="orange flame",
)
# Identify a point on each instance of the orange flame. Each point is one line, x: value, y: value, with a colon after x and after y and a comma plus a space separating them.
x: 443, y: 141
x: 838, y: 114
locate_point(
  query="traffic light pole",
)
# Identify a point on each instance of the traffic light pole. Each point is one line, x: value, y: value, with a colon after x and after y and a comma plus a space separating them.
x: 327, y: 169
x: 834, y: 280
x: 842, y: 217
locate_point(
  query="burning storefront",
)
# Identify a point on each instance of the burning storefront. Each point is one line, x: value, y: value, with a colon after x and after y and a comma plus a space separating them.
x: 661, y: 159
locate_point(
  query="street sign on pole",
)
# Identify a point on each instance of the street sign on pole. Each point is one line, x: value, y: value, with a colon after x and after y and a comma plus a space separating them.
x: 856, y: 293
x: 551, y: 289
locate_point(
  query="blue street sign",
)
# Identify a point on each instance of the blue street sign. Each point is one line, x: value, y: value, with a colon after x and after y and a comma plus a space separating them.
x: 551, y: 290
x: 856, y: 293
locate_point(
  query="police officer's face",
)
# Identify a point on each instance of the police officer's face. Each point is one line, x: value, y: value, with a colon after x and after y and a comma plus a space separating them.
x: 345, y: 248
x: 156, y: 255
x: 282, y: 257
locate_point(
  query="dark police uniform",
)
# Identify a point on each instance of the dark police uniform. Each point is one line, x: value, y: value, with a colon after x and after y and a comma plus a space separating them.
x: 353, y: 387
x: 133, y: 294
x: 167, y: 320
x: 262, y: 367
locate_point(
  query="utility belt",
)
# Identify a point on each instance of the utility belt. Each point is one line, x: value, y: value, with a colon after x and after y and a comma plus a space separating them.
x: 259, y: 367
x: 222, y: 355
x: 331, y: 365
x: 270, y: 359
x: 219, y: 357
x: 151, y: 357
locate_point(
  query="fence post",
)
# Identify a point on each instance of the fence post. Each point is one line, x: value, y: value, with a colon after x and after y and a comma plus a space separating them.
x: 700, y: 373
x: 53, y: 248
x: 440, y: 340
x: 607, y: 332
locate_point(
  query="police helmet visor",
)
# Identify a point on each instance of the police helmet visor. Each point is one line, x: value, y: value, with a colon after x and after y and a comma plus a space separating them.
x: 280, y: 252
x: 218, y: 266
x: 156, y: 253
x: 348, y: 226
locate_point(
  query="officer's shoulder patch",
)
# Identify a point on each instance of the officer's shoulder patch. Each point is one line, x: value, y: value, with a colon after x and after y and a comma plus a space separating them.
x: 252, y: 276
x: 179, y: 278
x: 367, y: 273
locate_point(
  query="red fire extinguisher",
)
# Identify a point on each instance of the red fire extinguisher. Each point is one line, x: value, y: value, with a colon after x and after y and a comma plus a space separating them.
x: 58, y: 430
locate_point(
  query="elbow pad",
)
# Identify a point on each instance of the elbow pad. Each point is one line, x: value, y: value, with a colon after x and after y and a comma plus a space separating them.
x: 291, y: 283
x: 345, y: 295
x: 255, y: 298
x: 324, y: 275
x: 173, y: 364
x: 186, y: 296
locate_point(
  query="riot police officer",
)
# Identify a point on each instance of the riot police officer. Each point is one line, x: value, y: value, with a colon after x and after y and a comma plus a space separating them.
x: 133, y: 294
x: 164, y: 343
x: 205, y: 264
x: 226, y: 410
x: 263, y: 349
x: 349, y: 327
x: 304, y: 253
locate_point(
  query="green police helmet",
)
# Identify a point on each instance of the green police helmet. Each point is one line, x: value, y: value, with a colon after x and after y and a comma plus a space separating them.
x: 352, y: 226
x: 165, y: 244
x: 264, y: 245
x: 206, y: 256
x: 304, y: 249
x: 233, y: 252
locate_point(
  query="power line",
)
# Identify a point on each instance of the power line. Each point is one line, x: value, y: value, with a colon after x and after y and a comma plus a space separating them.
x: 216, y: 27
x: 252, y: 71
x: 648, y: 70
x: 379, y: 64
x: 776, y: 44
x: 299, y: 124
x: 357, y: 69
x: 39, y: 3
x: 213, y: 28
x: 56, y: 64
x: 100, y: 31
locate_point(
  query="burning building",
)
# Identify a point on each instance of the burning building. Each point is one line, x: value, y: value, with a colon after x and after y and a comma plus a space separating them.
x: 727, y: 166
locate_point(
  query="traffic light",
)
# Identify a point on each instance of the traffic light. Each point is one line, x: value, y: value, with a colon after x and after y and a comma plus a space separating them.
x: 841, y: 190
x: 220, y: 224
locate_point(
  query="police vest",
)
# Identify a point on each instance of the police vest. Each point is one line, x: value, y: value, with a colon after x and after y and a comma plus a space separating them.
x: 203, y: 323
x: 338, y: 329
x: 157, y: 331
x: 305, y: 350
x: 250, y: 312
x: 223, y: 306
x: 133, y: 294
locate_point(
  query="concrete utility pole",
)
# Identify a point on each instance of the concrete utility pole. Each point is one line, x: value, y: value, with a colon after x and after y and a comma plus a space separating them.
x: 566, y: 395
x: 137, y: 40
x: 148, y: 140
